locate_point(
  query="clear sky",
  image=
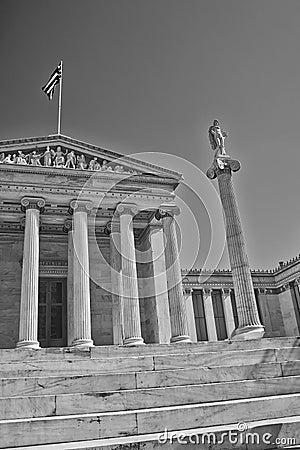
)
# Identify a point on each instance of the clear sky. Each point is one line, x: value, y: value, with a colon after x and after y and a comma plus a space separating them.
x: 151, y: 75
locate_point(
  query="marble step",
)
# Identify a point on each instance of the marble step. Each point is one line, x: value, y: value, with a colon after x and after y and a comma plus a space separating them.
x: 111, y: 351
x: 12, y: 387
x: 146, y: 363
x: 114, y: 401
x: 80, y: 427
x: 260, y: 435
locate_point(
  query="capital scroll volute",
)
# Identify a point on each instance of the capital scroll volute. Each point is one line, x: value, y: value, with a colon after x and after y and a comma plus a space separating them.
x: 126, y: 208
x: 80, y: 206
x: 166, y: 211
x: 68, y: 225
x: 33, y: 203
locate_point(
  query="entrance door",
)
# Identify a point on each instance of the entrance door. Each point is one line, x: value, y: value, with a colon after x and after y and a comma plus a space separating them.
x: 52, y: 322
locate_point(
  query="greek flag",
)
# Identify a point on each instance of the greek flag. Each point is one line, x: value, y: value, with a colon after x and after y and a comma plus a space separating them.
x: 53, y: 81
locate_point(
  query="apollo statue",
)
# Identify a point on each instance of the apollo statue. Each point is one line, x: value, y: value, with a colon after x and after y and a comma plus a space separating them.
x: 217, y: 138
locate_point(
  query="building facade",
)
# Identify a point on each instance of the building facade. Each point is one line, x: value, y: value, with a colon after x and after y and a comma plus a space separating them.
x: 89, y: 256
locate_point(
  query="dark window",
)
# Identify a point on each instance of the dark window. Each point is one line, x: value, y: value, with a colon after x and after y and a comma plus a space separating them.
x: 52, y: 312
x: 200, y: 321
x: 217, y: 302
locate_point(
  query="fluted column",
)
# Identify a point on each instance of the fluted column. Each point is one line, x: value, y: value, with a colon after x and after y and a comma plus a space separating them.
x: 209, y: 315
x: 130, y: 294
x: 81, y: 304
x: 249, y: 323
x: 28, y: 328
x: 70, y: 282
x: 178, y: 317
x: 113, y: 229
x: 190, y: 313
x: 228, y: 312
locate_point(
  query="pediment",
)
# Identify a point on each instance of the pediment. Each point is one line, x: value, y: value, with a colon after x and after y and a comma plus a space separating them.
x: 61, y: 152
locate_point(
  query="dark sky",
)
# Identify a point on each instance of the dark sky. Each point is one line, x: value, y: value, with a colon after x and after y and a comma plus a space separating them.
x: 146, y: 76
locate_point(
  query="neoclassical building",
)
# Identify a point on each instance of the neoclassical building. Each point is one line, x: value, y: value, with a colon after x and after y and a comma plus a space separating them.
x: 89, y: 256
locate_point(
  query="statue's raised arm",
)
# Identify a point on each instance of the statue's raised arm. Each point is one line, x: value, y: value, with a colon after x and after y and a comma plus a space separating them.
x: 217, y: 138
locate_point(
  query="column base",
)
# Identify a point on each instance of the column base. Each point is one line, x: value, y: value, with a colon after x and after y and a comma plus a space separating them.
x: 31, y: 345
x: 131, y: 342
x: 180, y: 339
x: 248, y: 333
x: 82, y: 343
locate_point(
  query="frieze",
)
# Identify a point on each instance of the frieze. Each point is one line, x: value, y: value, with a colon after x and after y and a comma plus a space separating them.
x: 62, y: 158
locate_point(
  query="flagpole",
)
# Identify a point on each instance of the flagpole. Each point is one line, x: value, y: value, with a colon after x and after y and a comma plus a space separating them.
x: 59, y: 100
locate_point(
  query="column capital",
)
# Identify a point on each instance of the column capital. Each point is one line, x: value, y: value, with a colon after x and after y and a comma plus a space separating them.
x: 68, y: 225
x: 80, y: 206
x: 187, y: 290
x: 33, y: 203
x: 297, y: 281
x: 223, y: 165
x: 126, y: 208
x: 226, y: 291
x: 207, y: 292
x: 167, y: 211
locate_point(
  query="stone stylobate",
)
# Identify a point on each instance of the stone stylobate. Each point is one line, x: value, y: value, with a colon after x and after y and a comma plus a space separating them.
x: 222, y: 168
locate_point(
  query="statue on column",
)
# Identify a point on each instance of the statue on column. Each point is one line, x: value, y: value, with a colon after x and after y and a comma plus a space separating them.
x: 221, y: 160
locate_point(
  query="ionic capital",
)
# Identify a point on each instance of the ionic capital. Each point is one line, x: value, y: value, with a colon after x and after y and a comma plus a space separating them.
x: 167, y: 211
x: 81, y: 206
x: 32, y: 203
x: 207, y: 292
x: 126, y: 208
x: 187, y: 290
x: 226, y: 291
x: 68, y: 225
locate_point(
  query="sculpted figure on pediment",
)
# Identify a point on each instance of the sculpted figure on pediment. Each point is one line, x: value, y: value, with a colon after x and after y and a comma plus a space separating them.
x: 9, y: 160
x: 94, y: 164
x: 71, y: 160
x: 35, y: 158
x: 59, y: 160
x: 21, y: 158
x: 48, y: 157
x: 81, y: 163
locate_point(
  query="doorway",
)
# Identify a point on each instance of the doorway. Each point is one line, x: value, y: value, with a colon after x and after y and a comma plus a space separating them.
x: 52, y: 319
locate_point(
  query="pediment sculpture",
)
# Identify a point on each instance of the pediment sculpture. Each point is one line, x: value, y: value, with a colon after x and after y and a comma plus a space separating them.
x: 63, y: 158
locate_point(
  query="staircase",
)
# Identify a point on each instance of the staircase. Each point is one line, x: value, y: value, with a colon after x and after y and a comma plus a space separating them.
x: 126, y: 398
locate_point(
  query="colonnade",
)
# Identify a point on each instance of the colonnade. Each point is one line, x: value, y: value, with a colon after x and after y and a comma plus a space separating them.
x: 124, y: 275
x: 209, y: 313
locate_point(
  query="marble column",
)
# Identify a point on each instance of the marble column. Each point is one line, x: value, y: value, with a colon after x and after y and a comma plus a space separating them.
x: 70, y: 282
x: 28, y: 328
x: 249, y: 323
x: 130, y: 295
x: 81, y: 304
x: 190, y: 313
x: 178, y: 317
x: 288, y: 311
x: 209, y: 315
x: 113, y: 230
x: 228, y: 312
x: 159, y: 279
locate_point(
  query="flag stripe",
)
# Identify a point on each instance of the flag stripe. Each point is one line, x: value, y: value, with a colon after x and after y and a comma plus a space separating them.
x: 52, y: 82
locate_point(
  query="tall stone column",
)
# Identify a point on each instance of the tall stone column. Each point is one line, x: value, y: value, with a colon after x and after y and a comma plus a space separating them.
x: 190, y: 313
x: 228, y: 312
x: 70, y: 282
x: 81, y: 304
x: 130, y: 294
x: 209, y: 315
x: 178, y: 317
x: 28, y: 328
x: 113, y: 230
x: 222, y: 168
